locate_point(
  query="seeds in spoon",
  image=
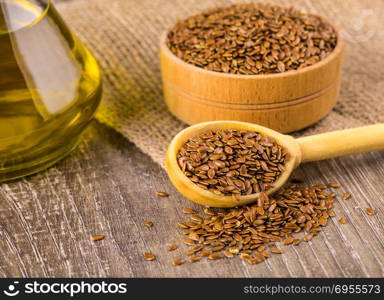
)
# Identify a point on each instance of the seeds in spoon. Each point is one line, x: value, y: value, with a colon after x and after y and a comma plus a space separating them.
x: 254, y: 163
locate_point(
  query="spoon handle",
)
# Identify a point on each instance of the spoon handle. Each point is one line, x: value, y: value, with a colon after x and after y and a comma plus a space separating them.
x: 343, y: 142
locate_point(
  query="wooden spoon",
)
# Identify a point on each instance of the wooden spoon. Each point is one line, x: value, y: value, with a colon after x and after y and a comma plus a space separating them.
x: 312, y: 148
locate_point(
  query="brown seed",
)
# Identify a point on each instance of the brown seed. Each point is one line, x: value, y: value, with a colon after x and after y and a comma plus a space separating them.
x: 182, y: 225
x: 308, y: 237
x: 342, y: 220
x: 98, y: 237
x: 334, y: 185
x: 370, y: 211
x: 276, y: 250
x: 189, y: 211
x: 215, y: 256
x: 189, y: 242
x: 194, y: 258
x: 148, y: 224
x: 228, y: 254
x: 346, y: 196
x: 288, y: 241
x: 217, y: 248
x: 205, y: 253
x: 190, y: 252
x: 172, y: 247
x: 296, y: 242
x: 178, y: 261
x: 149, y: 256
x: 196, y: 218
x: 162, y: 194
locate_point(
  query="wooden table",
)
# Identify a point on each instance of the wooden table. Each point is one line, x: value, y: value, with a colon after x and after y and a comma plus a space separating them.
x: 108, y: 187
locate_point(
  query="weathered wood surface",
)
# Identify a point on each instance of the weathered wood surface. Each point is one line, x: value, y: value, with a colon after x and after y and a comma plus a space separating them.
x: 108, y: 187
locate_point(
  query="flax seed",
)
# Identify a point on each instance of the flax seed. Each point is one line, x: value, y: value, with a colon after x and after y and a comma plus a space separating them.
x: 148, y: 224
x: 98, y: 237
x: 149, y: 256
x: 178, y: 261
x: 189, y: 211
x: 370, y: 211
x: 162, y: 194
x: 172, y: 247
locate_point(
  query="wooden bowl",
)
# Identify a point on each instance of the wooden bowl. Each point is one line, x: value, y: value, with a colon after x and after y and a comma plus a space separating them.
x: 284, y: 102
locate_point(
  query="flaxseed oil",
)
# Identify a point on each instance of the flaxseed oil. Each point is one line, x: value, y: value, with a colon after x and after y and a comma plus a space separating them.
x: 50, y: 87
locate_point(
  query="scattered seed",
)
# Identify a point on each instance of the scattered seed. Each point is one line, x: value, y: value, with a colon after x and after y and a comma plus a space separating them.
x: 162, y: 194
x: 215, y: 256
x: 205, y: 253
x: 189, y: 242
x: 172, y: 247
x: 246, y: 231
x: 370, y: 211
x: 346, y: 196
x: 228, y: 254
x: 334, y: 185
x: 189, y: 211
x: 148, y: 224
x: 98, y: 237
x: 190, y: 252
x: 296, y: 242
x: 178, y: 261
x: 342, y: 220
x: 288, y: 241
x: 308, y: 237
x: 276, y: 250
x: 149, y: 256
x: 194, y: 258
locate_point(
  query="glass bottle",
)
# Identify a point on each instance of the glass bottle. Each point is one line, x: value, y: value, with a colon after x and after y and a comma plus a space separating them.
x: 50, y: 87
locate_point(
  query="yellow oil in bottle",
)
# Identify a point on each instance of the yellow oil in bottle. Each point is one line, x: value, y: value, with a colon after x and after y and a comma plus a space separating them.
x: 50, y: 87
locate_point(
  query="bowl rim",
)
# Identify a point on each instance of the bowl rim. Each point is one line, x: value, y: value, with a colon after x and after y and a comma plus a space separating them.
x: 335, y: 53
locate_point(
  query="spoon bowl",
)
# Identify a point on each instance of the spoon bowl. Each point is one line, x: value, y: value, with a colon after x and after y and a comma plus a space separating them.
x: 191, y: 191
x: 312, y: 148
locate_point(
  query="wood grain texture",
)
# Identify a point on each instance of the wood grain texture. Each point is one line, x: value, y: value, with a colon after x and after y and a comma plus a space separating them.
x: 108, y: 187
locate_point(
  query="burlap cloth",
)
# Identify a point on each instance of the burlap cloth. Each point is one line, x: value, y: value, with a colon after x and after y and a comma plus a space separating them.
x: 124, y: 37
